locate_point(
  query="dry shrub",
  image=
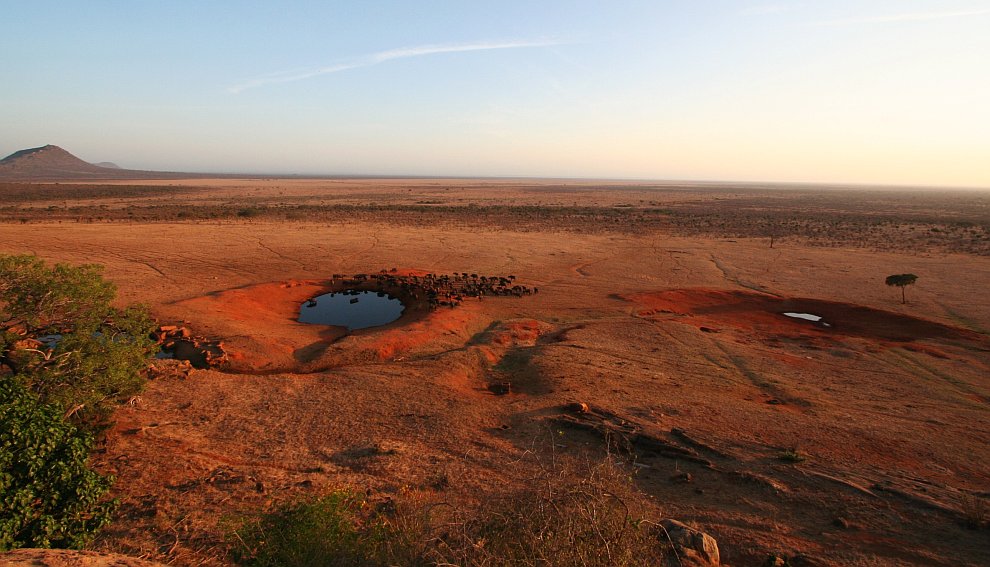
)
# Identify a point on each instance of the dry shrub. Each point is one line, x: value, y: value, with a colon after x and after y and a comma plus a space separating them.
x: 586, y: 514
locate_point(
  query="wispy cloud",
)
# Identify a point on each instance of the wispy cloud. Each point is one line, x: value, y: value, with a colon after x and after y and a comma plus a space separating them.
x: 906, y: 17
x: 383, y: 56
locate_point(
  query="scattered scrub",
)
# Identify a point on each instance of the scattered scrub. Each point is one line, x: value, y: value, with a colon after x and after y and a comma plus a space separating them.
x: 249, y: 212
x: 791, y: 456
x: 562, y: 517
x: 938, y: 221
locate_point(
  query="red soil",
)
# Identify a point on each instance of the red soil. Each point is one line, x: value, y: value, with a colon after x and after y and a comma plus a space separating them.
x: 711, y: 308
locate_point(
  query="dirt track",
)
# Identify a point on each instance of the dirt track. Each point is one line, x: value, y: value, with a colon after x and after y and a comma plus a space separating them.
x: 892, y: 418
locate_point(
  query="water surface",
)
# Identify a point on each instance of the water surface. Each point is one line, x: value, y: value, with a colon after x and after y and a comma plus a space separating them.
x: 352, y: 309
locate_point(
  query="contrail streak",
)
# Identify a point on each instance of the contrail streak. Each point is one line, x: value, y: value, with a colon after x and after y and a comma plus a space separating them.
x: 383, y: 56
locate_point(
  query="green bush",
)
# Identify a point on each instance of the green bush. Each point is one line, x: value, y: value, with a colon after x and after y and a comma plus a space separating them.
x: 48, y: 496
x: 333, y: 530
x: 61, y: 337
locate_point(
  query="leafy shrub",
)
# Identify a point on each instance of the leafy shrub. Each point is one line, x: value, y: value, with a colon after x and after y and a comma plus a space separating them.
x: 333, y: 530
x: 48, y: 497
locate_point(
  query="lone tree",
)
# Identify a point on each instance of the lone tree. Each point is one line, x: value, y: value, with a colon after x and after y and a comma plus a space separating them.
x: 61, y: 338
x: 901, y: 281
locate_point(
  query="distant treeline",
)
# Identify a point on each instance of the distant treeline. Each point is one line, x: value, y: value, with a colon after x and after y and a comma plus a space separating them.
x: 11, y: 193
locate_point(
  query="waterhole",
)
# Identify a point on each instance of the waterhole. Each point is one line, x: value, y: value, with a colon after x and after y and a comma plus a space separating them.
x: 808, y: 317
x: 352, y: 309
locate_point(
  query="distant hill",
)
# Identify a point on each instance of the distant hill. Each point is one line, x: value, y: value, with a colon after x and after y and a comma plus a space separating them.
x: 52, y: 163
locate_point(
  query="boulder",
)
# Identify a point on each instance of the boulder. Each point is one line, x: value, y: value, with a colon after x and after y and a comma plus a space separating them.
x: 691, y: 547
x: 578, y: 407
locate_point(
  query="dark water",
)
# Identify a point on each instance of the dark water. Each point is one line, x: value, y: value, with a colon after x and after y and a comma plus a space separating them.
x: 371, y: 309
x: 189, y: 350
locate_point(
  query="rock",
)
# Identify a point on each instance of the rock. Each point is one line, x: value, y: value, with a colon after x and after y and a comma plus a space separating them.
x: 692, y: 547
x: 578, y: 407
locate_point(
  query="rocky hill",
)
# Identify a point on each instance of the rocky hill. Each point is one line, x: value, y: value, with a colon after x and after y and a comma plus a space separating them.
x: 52, y: 163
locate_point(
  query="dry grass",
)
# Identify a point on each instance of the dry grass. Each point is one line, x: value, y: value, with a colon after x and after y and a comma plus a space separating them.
x: 566, y: 514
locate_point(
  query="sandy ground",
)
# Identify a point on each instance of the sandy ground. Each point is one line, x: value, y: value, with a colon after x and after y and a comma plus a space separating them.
x: 679, y: 340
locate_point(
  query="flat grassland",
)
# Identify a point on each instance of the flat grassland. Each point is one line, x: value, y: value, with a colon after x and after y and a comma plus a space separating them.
x: 863, y: 442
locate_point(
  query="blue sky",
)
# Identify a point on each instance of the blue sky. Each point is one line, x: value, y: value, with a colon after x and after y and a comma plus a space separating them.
x: 872, y: 91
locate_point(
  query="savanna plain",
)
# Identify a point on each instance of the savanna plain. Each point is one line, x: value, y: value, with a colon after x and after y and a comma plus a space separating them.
x: 651, y: 334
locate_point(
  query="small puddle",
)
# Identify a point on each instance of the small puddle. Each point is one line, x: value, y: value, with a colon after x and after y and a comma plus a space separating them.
x: 199, y: 356
x: 352, y: 309
x: 178, y: 343
x: 808, y: 317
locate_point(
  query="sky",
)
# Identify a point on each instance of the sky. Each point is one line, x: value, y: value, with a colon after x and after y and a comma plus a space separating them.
x: 836, y: 91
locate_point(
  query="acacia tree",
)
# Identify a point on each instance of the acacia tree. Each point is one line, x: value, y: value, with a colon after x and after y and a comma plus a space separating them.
x: 64, y: 341
x: 901, y: 281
